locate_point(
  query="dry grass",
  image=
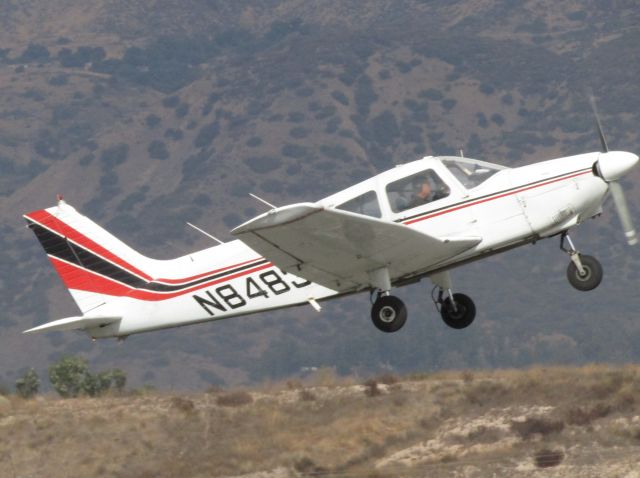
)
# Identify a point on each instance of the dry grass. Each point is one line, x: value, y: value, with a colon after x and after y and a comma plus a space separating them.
x: 495, y: 421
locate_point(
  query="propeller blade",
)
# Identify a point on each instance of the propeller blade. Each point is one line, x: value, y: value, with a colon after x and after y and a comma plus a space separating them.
x: 603, y: 141
x: 623, y: 212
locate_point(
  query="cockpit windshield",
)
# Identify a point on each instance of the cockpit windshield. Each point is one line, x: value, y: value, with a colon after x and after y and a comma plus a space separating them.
x: 470, y: 172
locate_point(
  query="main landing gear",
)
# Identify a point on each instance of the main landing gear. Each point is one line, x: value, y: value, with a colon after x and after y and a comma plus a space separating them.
x: 584, y: 272
x: 389, y: 313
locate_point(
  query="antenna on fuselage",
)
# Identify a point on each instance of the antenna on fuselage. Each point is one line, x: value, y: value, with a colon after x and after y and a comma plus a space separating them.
x: 461, y: 153
x: 205, y: 233
x: 262, y: 200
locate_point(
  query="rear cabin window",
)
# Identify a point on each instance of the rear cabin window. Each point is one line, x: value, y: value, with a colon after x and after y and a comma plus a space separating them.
x: 416, y: 190
x: 366, y: 204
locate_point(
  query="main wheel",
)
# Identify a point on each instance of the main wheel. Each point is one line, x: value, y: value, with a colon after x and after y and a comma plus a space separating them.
x: 388, y: 313
x: 460, y: 317
x: 592, y: 274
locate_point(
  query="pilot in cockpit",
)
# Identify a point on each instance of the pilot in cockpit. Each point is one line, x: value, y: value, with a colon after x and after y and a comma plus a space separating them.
x: 424, y: 192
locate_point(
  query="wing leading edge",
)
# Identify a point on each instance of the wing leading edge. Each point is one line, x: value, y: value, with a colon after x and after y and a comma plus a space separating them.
x: 339, y: 249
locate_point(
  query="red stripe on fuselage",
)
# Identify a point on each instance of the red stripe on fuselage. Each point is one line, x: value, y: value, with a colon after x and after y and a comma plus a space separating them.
x: 497, y: 196
x: 78, y: 278
x: 61, y: 228
x: 56, y: 225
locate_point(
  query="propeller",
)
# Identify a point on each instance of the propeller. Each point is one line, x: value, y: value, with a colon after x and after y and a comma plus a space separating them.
x: 611, y: 166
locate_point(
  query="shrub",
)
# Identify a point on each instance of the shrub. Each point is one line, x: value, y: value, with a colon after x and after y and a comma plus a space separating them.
x: 263, y: 164
x: 254, y: 141
x: 174, y: 134
x: 28, y: 385
x: 307, y: 467
x: 585, y: 415
x: 296, y: 117
x: 70, y: 377
x: 171, y: 101
x: 546, y: 458
x: 531, y: 426
x: 153, y: 120
x: 182, y: 110
x: 371, y: 388
x: 307, y: 395
x: 299, y: 132
x: 206, y: 135
x: 484, y: 392
x: 119, y: 379
x: 58, y: 80
x: 294, y: 151
x: 234, y: 399
x: 431, y: 94
x: 183, y: 404
x: 114, y: 155
x: 340, y: 97
x: 33, y: 53
x: 158, y: 150
x: 448, y: 104
x: 388, y: 379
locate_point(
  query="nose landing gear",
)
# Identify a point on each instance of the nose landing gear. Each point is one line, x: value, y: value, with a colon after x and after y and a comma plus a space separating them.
x: 584, y: 272
x: 457, y: 310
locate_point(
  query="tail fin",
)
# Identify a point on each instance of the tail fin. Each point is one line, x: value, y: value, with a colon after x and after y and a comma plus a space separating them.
x: 94, y: 265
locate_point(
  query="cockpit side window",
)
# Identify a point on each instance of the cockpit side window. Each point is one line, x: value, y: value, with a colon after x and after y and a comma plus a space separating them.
x: 416, y: 190
x: 366, y: 204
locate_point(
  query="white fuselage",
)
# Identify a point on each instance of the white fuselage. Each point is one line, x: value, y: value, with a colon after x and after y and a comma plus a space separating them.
x: 512, y: 207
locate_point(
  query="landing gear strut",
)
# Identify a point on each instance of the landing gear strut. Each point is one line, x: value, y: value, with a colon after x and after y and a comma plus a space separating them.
x: 584, y: 272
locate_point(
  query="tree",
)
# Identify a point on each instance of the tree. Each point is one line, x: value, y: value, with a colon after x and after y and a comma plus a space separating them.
x: 70, y: 376
x: 28, y: 385
x: 119, y: 379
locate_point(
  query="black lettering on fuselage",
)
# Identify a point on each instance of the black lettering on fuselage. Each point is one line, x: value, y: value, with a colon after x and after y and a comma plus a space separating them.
x: 210, y: 302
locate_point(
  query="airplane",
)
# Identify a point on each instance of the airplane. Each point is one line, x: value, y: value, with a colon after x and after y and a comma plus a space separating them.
x: 420, y: 219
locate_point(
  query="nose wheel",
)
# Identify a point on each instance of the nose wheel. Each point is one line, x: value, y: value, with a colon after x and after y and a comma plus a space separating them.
x: 388, y: 313
x: 584, y: 272
x: 457, y: 310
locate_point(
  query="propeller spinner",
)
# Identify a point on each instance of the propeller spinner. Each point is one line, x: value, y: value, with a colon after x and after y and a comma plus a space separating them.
x: 611, y: 166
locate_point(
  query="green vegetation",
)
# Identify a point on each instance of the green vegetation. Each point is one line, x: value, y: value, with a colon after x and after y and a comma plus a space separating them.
x: 28, y: 385
x: 70, y: 377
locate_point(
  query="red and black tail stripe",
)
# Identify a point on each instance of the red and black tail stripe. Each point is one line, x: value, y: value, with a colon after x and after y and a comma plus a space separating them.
x: 70, y: 258
x: 490, y: 197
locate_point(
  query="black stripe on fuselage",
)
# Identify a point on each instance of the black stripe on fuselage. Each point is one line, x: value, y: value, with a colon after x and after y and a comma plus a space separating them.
x: 61, y: 248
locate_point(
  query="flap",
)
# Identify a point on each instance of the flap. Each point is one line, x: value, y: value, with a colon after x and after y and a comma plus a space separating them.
x: 338, y: 249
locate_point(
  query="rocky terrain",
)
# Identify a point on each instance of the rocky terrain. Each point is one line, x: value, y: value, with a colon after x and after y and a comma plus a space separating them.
x: 558, y: 422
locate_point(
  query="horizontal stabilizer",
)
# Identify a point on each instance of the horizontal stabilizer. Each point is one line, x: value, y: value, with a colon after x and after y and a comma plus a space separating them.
x: 74, y: 323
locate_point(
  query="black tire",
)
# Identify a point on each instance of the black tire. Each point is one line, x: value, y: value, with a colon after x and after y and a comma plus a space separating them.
x: 592, y: 274
x: 464, y: 314
x: 388, y: 313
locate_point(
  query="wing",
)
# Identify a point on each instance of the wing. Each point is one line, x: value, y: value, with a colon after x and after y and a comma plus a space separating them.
x: 338, y: 249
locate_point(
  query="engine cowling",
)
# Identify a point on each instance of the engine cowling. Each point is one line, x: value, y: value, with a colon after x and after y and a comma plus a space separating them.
x: 612, y: 165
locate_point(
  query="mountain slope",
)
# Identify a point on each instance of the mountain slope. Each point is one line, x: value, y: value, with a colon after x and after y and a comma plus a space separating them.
x: 146, y: 115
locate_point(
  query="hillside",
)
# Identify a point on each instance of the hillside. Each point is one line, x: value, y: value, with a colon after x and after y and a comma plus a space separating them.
x: 146, y: 115
x: 565, y: 422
